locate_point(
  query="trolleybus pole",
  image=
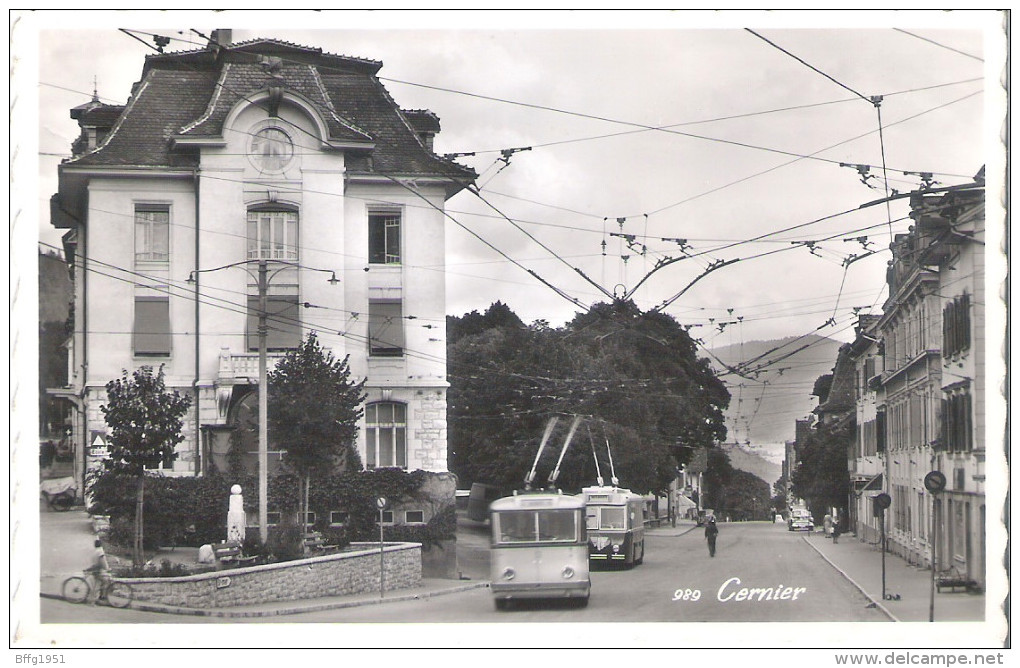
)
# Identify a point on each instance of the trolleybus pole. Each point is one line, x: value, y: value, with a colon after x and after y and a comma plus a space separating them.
x: 381, y: 503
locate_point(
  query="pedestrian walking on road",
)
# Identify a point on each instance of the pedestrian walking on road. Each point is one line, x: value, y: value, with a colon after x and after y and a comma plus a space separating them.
x: 711, y: 532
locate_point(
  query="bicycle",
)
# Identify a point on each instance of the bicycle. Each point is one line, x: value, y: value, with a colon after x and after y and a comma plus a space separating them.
x: 76, y: 589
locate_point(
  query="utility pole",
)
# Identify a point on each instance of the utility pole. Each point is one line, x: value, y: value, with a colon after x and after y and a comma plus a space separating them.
x: 263, y: 407
x: 263, y: 278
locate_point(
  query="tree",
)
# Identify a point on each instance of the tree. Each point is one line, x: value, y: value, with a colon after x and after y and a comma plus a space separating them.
x: 635, y: 374
x: 314, y: 408
x: 145, y: 424
x: 821, y: 478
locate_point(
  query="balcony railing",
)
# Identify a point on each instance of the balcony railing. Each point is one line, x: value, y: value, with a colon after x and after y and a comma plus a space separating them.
x: 237, y: 366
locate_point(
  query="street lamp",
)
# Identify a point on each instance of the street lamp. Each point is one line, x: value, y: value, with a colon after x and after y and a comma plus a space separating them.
x: 263, y: 278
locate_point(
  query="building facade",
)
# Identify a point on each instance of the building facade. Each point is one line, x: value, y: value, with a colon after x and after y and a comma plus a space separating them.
x: 866, y: 457
x: 953, y: 225
x: 259, y: 183
x: 920, y: 400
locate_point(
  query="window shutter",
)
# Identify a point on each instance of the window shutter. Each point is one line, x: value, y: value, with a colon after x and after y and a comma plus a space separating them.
x: 152, y: 326
x: 283, y: 322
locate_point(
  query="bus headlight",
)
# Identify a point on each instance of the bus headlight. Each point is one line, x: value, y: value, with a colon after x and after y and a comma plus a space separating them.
x: 509, y: 573
x: 616, y: 548
x: 568, y: 572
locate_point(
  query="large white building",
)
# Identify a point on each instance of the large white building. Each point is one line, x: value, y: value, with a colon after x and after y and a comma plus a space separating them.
x: 237, y: 156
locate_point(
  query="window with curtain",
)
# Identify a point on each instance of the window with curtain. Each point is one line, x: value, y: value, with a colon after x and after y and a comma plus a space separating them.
x: 272, y: 234
x: 152, y: 233
x: 152, y: 334
x: 385, y: 435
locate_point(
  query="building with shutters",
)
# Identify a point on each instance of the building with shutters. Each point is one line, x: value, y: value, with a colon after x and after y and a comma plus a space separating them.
x: 921, y: 387
x: 266, y: 154
x: 952, y: 225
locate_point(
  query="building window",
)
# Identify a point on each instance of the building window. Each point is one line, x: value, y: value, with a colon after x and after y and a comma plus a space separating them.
x: 957, y: 423
x: 270, y: 149
x: 384, y: 238
x: 151, y: 334
x: 338, y: 518
x: 273, y: 518
x: 283, y: 322
x: 272, y: 234
x: 152, y: 233
x: 414, y: 517
x: 956, y: 326
x: 386, y: 435
x: 385, y: 328
x: 387, y: 517
x: 309, y: 519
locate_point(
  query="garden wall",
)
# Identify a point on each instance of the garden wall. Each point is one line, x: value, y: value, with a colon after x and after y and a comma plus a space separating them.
x: 351, y: 572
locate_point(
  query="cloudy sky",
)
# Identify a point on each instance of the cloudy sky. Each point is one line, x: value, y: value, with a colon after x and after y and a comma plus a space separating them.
x: 661, y: 126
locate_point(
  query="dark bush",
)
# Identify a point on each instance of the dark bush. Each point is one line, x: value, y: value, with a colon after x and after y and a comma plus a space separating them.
x: 286, y: 542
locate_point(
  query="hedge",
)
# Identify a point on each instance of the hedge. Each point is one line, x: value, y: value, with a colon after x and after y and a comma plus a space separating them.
x: 192, y: 511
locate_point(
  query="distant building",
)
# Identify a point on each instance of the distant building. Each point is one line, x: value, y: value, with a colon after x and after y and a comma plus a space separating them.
x: 866, y: 457
x: 236, y: 155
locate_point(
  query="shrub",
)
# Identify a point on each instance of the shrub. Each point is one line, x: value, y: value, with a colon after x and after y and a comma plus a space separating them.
x: 286, y: 542
x: 191, y: 512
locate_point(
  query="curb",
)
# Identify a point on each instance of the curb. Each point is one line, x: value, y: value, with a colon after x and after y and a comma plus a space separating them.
x: 849, y: 579
x: 147, y: 606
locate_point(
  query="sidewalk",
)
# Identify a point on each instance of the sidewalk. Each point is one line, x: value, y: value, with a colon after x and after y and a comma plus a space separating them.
x: 66, y: 546
x: 861, y: 564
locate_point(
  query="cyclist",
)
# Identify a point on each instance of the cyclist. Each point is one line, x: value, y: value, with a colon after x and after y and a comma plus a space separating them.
x: 99, y: 572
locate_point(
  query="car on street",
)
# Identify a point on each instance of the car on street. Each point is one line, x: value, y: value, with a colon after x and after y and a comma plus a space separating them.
x: 800, y: 521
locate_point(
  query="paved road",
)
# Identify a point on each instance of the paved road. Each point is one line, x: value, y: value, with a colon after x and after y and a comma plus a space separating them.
x: 750, y: 555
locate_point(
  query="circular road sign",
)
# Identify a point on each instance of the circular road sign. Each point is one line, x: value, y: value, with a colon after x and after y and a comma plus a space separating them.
x: 883, y: 500
x: 935, y: 482
x: 380, y: 502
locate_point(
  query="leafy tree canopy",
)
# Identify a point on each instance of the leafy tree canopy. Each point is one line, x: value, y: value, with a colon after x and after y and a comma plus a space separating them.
x: 145, y: 420
x: 634, y: 374
x: 821, y: 477
x: 314, y: 408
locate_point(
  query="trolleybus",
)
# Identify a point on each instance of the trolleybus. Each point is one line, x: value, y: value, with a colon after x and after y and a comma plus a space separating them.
x: 615, y: 520
x: 539, y: 548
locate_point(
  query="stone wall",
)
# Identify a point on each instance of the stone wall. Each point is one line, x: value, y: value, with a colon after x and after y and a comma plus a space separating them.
x: 351, y: 572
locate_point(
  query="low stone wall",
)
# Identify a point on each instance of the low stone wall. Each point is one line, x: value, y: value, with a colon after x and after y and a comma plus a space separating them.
x: 351, y: 572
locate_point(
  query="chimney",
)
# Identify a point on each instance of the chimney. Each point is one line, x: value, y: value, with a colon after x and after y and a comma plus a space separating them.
x: 220, y: 37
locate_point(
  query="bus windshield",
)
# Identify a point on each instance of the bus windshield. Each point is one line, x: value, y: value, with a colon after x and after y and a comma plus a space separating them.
x: 614, y: 518
x: 535, y: 526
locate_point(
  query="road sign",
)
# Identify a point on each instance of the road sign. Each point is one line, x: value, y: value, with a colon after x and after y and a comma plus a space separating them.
x: 935, y: 482
x: 380, y: 502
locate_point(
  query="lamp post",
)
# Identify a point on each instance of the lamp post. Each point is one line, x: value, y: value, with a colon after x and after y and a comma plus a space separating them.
x: 263, y: 278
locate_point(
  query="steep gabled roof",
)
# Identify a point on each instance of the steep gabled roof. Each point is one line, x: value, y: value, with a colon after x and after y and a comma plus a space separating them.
x: 189, y: 94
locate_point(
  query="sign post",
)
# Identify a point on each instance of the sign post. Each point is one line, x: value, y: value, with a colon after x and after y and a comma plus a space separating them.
x: 934, y: 482
x: 882, y: 501
x: 381, y: 505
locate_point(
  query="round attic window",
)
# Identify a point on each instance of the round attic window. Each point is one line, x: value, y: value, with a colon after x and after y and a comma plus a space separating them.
x: 271, y: 149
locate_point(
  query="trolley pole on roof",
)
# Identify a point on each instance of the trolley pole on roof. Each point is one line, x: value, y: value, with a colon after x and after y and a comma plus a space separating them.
x: 598, y: 470
x: 545, y: 439
x: 570, y: 436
